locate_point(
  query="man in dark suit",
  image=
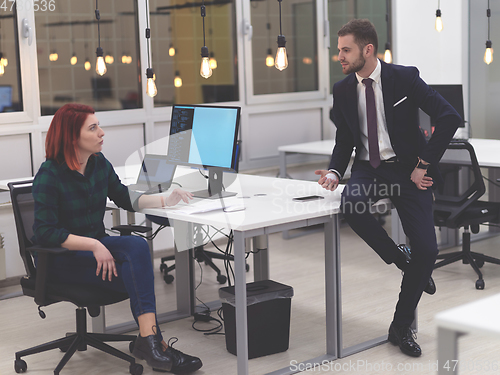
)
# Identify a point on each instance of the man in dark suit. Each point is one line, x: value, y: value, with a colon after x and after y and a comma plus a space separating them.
x: 375, y: 111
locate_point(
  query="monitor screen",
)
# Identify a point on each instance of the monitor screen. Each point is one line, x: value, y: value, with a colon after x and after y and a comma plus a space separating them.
x: 5, y: 97
x: 453, y: 94
x: 204, y: 136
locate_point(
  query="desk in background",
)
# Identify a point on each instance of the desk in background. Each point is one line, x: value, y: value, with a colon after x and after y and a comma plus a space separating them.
x: 480, y: 316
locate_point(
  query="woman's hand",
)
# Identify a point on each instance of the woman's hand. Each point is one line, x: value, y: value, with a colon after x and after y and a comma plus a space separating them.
x: 105, y: 261
x: 177, y: 195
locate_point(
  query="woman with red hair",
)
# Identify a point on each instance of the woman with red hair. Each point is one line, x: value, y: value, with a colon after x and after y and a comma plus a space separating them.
x: 70, y: 192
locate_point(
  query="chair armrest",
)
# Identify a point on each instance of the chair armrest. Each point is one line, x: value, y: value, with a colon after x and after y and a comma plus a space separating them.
x: 126, y: 230
x: 47, y: 250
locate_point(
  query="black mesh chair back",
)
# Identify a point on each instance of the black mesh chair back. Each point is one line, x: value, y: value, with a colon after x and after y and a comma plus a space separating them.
x: 458, y: 204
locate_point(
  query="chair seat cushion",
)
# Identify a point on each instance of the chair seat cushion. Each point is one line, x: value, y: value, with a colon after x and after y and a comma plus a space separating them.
x: 79, y: 294
x: 477, y: 213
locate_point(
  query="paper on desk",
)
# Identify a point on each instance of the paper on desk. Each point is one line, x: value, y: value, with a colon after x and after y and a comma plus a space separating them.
x: 205, y: 206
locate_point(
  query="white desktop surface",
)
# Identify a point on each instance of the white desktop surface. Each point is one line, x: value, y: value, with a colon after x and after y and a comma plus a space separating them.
x: 478, y: 317
x: 482, y: 316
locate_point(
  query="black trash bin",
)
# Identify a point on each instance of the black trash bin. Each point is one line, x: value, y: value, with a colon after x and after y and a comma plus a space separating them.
x: 268, y: 317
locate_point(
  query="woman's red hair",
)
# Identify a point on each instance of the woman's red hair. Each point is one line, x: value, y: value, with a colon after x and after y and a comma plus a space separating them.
x: 61, y: 143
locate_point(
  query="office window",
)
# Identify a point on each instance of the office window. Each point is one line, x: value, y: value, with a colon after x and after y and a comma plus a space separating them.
x: 176, y: 41
x: 67, y: 39
x: 298, y: 21
x: 342, y: 11
x: 10, y: 78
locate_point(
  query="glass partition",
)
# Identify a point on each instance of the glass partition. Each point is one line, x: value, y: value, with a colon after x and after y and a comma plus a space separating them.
x: 67, y: 39
x: 176, y: 41
x: 10, y: 76
x: 342, y: 11
x: 298, y: 25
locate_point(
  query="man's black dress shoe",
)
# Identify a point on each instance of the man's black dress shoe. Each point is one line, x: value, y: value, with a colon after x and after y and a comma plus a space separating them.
x: 404, y: 337
x: 181, y: 363
x: 430, y: 288
x: 151, y: 350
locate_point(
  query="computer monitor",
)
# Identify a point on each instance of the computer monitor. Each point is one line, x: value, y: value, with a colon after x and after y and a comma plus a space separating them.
x: 453, y: 94
x: 205, y: 136
x: 5, y: 97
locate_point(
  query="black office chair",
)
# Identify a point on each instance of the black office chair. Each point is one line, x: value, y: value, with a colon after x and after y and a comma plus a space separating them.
x: 457, y: 204
x: 45, y: 293
x: 200, y: 254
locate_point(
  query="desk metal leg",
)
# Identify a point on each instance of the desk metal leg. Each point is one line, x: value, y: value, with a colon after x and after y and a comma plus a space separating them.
x: 332, y: 286
x: 447, y: 351
x: 240, y: 292
x: 261, y: 258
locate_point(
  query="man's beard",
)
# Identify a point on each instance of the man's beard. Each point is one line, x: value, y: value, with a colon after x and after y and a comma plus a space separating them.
x: 356, y: 66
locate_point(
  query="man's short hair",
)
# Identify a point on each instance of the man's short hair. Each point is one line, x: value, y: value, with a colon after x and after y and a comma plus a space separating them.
x: 363, y: 31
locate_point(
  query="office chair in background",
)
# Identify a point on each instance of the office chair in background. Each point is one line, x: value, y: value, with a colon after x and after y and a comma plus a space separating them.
x: 85, y: 297
x: 200, y: 254
x: 457, y: 204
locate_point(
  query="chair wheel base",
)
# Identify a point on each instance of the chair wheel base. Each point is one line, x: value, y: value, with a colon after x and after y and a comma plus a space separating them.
x: 480, y: 284
x: 136, y: 369
x: 20, y: 366
x: 221, y: 279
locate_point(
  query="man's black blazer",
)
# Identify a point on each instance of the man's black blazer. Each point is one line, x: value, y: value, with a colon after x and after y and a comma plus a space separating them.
x: 404, y: 93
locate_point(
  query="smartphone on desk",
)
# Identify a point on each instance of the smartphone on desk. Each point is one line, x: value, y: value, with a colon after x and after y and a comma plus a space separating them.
x: 308, y: 198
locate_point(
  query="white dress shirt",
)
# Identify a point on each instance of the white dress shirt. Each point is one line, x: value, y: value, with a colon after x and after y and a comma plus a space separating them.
x: 384, y: 142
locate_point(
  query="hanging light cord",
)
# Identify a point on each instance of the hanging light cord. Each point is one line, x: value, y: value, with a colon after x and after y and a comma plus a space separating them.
x: 148, y: 34
x: 203, y: 14
x: 488, y: 14
x: 279, y: 1
x: 98, y: 17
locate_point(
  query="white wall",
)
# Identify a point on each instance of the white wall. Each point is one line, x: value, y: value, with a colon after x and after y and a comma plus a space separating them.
x: 441, y: 57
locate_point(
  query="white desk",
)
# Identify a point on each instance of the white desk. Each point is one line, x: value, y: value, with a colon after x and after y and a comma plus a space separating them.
x: 480, y: 316
x: 486, y: 151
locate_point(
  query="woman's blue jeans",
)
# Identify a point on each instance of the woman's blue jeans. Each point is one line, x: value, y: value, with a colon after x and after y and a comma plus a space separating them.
x: 133, y: 264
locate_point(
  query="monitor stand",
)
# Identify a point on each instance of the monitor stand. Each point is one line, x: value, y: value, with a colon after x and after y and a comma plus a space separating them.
x: 214, y: 190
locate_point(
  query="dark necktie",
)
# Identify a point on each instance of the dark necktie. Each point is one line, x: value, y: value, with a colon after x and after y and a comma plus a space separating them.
x: 371, y: 116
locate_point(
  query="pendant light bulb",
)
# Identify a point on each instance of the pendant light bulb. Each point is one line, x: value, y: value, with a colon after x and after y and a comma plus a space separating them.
x: 73, y: 60
x: 177, y: 79
x: 488, y: 54
x: 100, y: 66
x: 4, y: 61
x: 388, y: 54
x: 150, y: 85
x: 212, y: 61
x: 281, y: 61
x: 205, y: 70
x: 269, y: 58
x: 171, y: 50
x: 109, y: 59
x: 87, y: 65
x: 2, y: 70
x: 439, y: 22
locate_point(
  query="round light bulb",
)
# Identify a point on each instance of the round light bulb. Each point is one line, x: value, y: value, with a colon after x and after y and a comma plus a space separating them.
x: 269, y: 60
x: 213, y: 63
x: 4, y: 61
x: 73, y: 60
x: 87, y: 65
x: 109, y: 59
x: 100, y: 66
x: 177, y: 81
x: 171, y: 51
x: 2, y: 70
